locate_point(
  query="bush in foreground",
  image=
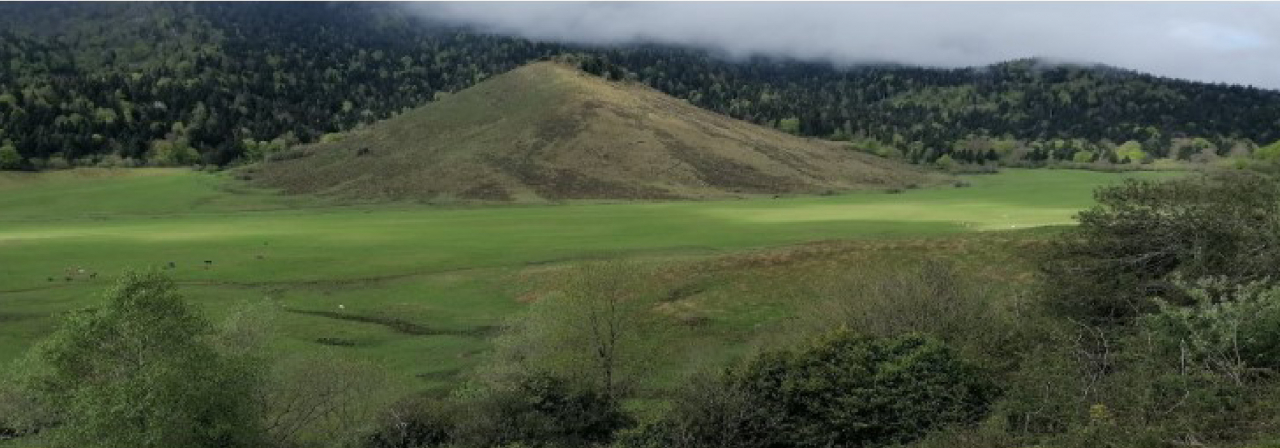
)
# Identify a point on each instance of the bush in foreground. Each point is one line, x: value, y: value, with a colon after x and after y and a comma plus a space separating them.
x: 1144, y: 234
x: 841, y: 390
x: 140, y: 371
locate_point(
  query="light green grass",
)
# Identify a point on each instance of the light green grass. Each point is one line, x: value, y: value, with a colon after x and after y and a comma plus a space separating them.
x: 453, y: 271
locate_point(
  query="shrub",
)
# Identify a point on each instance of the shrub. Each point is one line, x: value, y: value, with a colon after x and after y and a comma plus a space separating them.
x: 21, y: 413
x: 933, y: 298
x: 57, y: 162
x: 286, y: 154
x: 1191, y: 374
x: 945, y: 162
x: 709, y: 411
x: 539, y: 410
x: 10, y: 159
x: 1230, y: 330
x: 415, y: 423
x: 596, y: 329
x: 315, y: 400
x: 111, y: 160
x: 842, y: 390
x: 1142, y: 234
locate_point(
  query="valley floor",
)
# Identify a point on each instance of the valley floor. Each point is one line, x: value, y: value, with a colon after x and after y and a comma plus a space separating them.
x: 419, y: 289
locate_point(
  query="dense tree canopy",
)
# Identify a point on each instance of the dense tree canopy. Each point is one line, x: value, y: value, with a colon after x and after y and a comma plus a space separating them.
x: 183, y: 83
x: 141, y: 371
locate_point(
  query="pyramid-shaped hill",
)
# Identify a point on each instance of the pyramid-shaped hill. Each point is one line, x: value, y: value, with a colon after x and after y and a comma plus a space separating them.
x: 547, y: 132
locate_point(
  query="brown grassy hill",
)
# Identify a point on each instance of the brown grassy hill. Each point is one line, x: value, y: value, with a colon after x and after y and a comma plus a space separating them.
x: 550, y: 132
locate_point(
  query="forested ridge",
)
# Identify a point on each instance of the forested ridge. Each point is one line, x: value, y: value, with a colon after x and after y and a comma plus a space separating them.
x: 217, y: 83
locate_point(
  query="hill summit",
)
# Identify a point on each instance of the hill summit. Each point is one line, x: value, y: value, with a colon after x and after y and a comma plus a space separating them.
x: 547, y: 132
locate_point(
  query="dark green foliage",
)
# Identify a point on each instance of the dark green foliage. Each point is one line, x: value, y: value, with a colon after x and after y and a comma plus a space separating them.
x: 1232, y: 330
x: 848, y: 390
x: 223, y: 74
x: 10, y: 158
x: 83, y: 81
x: 709, y: 411
x: 140, y: 372
x: 843, y: 390
x: 1142, y: 234
x: 21, y: 413
x: 539, y: 410
x: 1194, y: 374
x: 415, y: 423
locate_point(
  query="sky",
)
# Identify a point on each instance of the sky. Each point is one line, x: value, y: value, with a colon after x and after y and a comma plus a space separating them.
x: 1234, y: 43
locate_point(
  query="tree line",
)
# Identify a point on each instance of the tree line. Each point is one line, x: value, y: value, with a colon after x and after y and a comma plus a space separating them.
x: 212, y: 83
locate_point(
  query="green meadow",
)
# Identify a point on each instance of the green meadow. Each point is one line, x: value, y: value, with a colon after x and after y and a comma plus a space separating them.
x: 419, y: 288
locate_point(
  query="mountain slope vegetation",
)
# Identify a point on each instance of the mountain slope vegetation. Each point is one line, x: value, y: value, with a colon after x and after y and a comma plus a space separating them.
x: 548, y: 131
x: 217, y: 83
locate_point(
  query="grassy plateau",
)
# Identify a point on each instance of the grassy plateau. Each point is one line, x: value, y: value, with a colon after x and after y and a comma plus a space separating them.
x: 419, y: 288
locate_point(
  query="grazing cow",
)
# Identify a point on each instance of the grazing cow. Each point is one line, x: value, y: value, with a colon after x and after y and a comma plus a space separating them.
x: 208, y: 263
x: 173, y: 265
x: 93, y: 275
x: 362, y: 151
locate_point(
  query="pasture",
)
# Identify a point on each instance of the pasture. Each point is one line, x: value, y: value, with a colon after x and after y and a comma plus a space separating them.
x: 419, y: 288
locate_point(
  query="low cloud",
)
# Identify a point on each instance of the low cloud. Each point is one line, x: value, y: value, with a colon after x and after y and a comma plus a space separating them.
x: 1237, y: 43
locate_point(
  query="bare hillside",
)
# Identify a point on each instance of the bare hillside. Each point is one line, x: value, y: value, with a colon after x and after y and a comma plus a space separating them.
x: 550, y: 132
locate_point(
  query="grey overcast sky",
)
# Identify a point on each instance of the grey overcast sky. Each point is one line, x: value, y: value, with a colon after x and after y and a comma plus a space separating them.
x: 1236, y: 43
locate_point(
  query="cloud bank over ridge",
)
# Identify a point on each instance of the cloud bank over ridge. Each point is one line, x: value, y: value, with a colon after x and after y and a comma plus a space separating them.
x: 1236, y: 43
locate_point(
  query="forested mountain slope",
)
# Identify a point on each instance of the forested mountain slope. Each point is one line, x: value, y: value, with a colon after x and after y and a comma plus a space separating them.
x: 179, y: 83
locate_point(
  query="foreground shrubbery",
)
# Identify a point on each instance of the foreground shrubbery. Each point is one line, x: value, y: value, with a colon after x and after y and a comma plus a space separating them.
x: 1143, y: 235
x: 140, y: 371
x: 145, y: 369
x: 1181, y: 375
x: 1106, y: 352
x: 842, y: 390
x: 1162, y: 320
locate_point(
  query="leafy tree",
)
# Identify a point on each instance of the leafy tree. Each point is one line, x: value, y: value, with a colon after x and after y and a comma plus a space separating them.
x: 1196, y: 146
x: 594, y: 330
x: 140, y: 371
x: 1143, y: 234
x: 1269, y: 153
x: 1082, y: 157
x: 173, y: 151
x: 1131, y: 151
x: 790, y: 125
x: 946, y: 162
x: 10, y: 159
